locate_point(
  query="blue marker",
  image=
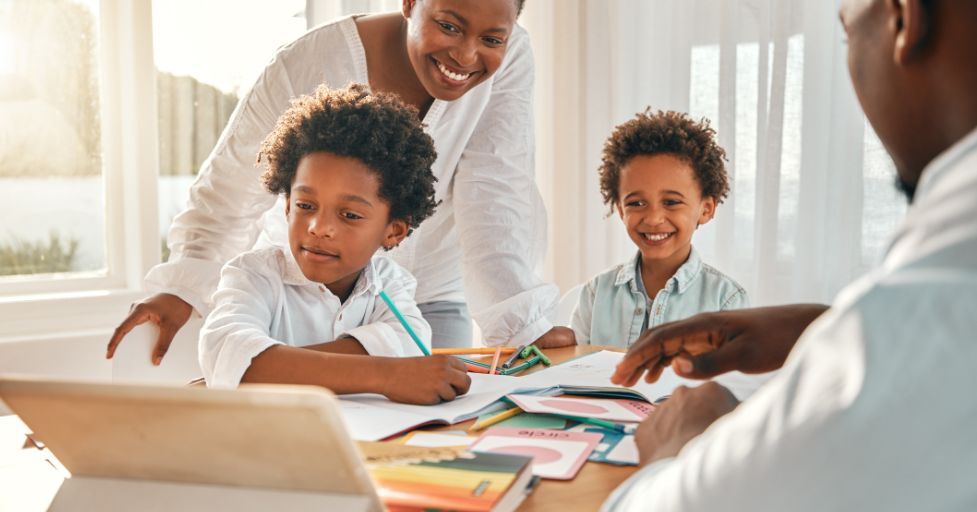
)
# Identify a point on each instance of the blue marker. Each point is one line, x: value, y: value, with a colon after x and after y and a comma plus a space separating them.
x: 403, y: 321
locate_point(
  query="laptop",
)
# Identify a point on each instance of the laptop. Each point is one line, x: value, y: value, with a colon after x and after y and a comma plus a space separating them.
x: 153, y: 447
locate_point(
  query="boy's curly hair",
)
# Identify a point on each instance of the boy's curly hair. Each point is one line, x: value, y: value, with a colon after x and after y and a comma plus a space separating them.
x: 374, y: 128
x: 665, y: 132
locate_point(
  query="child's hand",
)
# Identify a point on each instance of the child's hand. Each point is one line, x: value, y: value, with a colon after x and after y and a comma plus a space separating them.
x: 425, y: 380
x: 167, y: 311
x: 556, y: 337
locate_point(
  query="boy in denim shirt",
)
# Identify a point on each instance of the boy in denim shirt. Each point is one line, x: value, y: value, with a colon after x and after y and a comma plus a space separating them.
x: 664, y: 175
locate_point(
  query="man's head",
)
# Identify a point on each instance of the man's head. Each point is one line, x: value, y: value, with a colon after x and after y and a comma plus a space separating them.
x: 356, y: 170
x: 912, y: 66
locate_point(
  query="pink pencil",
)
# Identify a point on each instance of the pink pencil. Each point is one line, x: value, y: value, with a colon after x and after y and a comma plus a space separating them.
x: 495, y: 360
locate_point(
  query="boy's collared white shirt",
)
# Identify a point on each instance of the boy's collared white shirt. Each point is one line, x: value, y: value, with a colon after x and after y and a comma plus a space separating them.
x: 264, y: 299
x: 614, y: 308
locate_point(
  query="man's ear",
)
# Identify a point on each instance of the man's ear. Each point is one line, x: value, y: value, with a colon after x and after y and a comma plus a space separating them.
x: 708, y: 210
x: 911, y: 24
x: 396, y: 232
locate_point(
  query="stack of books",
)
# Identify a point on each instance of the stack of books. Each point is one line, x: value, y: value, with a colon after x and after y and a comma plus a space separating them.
x: 420, y: 478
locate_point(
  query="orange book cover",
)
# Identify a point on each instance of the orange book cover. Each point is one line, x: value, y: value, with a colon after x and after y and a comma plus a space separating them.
x: 470, y: 482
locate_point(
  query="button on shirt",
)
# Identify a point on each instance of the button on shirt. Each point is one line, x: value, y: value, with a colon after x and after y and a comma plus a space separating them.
x: 614, y: 309
x: 263, y: 300
x: 482, y: 243
x: 874, y: 408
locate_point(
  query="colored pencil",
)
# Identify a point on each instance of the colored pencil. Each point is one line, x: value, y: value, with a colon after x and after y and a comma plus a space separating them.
x: 475, y: 368
x: 597, y: 421
x: 403, y: 321
x: 492, y: 420
x: 472, y: 350
x: 495, y: 360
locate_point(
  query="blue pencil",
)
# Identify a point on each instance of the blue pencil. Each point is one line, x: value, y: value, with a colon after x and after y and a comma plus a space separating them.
x: 403, y: 321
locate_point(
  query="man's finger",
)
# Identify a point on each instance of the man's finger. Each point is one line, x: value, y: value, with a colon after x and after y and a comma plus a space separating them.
x: 711, y: 364
x: 668, y: 339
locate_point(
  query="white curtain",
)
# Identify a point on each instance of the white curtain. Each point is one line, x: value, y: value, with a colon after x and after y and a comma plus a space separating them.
x: 318, y: 12
x: 813, y: 200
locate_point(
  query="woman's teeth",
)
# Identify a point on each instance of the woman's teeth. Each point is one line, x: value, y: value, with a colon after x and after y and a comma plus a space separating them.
x: 452, y: 75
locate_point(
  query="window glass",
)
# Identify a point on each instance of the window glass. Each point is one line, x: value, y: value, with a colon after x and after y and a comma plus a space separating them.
x: 52, y: 220
x: 207, y: 55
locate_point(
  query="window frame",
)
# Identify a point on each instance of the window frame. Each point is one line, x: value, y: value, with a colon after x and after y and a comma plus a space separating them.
x: 127, y: 95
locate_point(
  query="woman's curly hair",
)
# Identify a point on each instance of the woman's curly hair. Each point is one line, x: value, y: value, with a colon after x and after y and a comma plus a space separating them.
x: 668, y: 133
x: 374, y: 128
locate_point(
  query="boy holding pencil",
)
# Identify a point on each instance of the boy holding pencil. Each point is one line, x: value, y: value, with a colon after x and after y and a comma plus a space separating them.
x: 355, y: 171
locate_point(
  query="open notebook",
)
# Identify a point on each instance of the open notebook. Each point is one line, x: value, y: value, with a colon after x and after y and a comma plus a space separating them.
x: 373, y: 417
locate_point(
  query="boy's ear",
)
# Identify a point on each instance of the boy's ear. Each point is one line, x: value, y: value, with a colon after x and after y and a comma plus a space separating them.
x: 619, y: 210
x: 708, y: 210
x: 288, y: 204
x: 396, y: 232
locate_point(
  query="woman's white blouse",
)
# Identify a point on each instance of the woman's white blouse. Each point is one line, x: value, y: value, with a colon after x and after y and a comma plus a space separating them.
x: 481, y: 246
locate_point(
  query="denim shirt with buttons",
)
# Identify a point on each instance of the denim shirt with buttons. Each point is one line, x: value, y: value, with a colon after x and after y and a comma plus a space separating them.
x: 614, y: 309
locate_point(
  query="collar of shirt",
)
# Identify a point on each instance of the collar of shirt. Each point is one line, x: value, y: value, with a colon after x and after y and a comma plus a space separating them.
x: 944, y: 163
x: 368, y: 282
x: 629, y: 274
x: 944, y: 197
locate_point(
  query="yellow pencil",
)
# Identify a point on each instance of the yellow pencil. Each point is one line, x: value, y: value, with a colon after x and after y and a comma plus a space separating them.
x: 472, y: 350
x: 492, y: 420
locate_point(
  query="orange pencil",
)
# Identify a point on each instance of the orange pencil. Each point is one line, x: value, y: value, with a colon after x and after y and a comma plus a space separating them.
x: 472, y: 350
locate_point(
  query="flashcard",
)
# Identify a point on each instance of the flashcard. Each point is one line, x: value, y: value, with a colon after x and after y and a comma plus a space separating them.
x: 600, y: 408
x: 556, y: 454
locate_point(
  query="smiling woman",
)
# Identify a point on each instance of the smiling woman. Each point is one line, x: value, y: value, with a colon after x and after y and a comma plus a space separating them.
x: 467, y: 67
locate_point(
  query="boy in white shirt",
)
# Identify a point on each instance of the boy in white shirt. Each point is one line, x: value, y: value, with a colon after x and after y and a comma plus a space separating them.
x: 355, y: 169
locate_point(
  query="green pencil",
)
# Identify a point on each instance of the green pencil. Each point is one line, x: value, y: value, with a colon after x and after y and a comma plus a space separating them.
x: 403, y: 321
x: 597, y: 421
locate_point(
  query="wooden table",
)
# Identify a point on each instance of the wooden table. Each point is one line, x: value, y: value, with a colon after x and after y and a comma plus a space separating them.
x: 595, y: 481
x: 585, y: 492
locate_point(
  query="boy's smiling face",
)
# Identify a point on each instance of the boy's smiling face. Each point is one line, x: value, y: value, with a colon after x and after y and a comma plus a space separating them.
x: 661, y: 205
x: 337, y: 219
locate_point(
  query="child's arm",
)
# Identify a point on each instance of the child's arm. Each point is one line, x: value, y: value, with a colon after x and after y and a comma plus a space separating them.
x: 235, y: 347
x: 416, y: 380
